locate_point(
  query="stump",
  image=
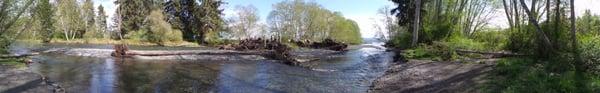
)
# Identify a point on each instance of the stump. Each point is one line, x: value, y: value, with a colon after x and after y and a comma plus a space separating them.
x: 120, y: 50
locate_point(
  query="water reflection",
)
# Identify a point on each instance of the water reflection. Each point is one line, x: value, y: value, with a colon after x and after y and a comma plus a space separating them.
x: 350, y: 72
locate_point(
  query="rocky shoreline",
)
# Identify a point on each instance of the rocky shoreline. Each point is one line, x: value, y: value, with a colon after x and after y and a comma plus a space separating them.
x: 22, y: 80
x: 423, y: 76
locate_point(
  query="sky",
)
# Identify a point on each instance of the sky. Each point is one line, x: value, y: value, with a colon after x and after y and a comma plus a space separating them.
x: 364, y: 12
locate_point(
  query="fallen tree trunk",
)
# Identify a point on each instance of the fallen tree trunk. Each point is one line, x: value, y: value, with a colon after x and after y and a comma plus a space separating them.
x: 195, y: 52
x: 18, y: 55
x: 492, y: 54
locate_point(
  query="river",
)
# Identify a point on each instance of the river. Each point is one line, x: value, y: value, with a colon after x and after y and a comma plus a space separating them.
x: 349, y: 72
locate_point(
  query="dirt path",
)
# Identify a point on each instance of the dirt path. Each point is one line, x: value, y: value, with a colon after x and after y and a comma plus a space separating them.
x: 420, y: 76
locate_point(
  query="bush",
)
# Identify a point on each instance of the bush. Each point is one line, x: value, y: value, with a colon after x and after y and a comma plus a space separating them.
x: 525, y: 75
x: 445, y: 50
x: 158, y: 31
x: 492, y: 39
x: 590, y: 52
x: 139, y: 35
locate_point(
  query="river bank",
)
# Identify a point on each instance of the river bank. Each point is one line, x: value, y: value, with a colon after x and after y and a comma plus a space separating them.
x: 425, y: 76
x: 112, y: 41
x: 18, y: 79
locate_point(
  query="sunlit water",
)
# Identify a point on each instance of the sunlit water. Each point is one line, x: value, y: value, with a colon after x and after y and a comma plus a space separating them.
x: 349, y: 72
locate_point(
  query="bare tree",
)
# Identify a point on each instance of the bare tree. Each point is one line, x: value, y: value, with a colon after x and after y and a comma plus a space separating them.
x: 535, y: 23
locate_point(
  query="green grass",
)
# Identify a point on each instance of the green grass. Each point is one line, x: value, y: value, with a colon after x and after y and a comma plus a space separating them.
x: 127, y: 41
x: 524, y: 75
x: 12, y: 62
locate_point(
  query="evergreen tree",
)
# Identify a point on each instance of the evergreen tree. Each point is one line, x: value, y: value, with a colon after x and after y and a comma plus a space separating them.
x: 210, y: 20
x: 197, y: 20
x: 101, y: 19
x: 45, y: 13
x: 132, y: 13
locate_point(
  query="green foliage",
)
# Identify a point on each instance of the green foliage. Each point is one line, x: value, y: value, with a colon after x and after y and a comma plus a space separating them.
x: 18, y: 63
x: 133, y: 12
x: 302, y: 20
x: 588, y: 23
x: 446, y: 50
x: 493, y: 39
x: 214, y: 38
x: 347, y: 31
x: 524, y: 75
x: 101, y: 22
x: 158, y: 31
x: 137, y: 35
x: 92, y: 33
x: 590, y: 52
x: 70, y: 20
x: 196, y: 18
x: 45, y: 13
x: 424, y: 52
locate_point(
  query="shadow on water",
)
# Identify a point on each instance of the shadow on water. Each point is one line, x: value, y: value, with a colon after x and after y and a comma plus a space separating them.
x: 349, y: 72
x: 24, y: 87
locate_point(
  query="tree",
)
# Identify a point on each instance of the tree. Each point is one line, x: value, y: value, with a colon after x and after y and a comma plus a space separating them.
x: 416, y: 24
x: 299, y: 20
x: 160, y: 31
x: 198, y: 20
x: 180, y: 13
x: 101, y: 19
x: 408, y: 12
x: 579, y: 65
x: 133, y: 12
x: 91, y: 28
x: 588, y: 23
x: 535, y: 23
x: 69, y: 19
x: 210, y: 21
x: 10, y: 12
x: 44, y: 12
x: 246, y: 21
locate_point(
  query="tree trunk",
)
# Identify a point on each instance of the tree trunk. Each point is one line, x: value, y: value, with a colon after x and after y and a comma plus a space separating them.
x: 579, y: 70
x: 416, y: 23
x: 548, y: 10
x: 508, y: 14
x: 539, y: 30
x: 557, y: 16
x: 517, y: 16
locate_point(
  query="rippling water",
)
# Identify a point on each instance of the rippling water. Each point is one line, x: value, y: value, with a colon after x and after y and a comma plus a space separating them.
x: 349, y: 72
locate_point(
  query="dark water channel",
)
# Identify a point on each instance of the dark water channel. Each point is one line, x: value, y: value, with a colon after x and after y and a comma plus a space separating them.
x: 348, y: 72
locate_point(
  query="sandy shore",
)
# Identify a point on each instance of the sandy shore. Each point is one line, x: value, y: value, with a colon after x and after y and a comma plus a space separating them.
x: 421, y: 76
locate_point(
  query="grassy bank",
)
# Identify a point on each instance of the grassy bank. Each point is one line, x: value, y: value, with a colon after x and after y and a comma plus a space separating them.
x: 128, y: 42
x: 524, y: 75
x: 18, y: 63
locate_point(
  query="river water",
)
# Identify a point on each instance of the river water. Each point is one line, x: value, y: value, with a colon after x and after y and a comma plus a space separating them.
x: 348, y: 72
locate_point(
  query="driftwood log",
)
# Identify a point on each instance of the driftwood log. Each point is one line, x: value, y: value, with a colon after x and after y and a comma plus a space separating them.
x: 123, y: 51
x: 328, y: 44
x: 280, y: 52
x: 18, y: 55
x: 491, y: 54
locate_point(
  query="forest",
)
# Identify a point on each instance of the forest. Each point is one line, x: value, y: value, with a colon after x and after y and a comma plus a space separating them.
x: 170, y: 22
x: 546, y: 47
x: 552, y: 50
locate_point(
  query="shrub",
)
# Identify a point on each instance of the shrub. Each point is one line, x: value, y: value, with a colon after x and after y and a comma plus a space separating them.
x: 525, y: 75
x: 492, y: 39
x: 590, y: 52
x: 161, y: 31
